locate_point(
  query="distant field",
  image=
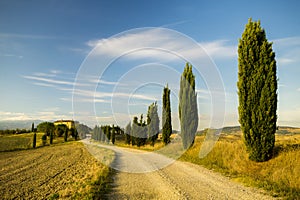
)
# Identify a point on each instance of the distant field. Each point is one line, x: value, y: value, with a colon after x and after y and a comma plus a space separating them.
x: 24, y: 141
x: 280, y: 175
x: 66, y: 171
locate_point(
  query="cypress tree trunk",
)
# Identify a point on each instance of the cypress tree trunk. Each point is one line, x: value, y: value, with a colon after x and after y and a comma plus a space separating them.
x: 257, y: 90
x: 34, y: 140
x: 32, y: 127
x: 113, y: 135
x: 188, y: 111
x: 66, y: 136
x: 51, y: 137
x: 166, y: 116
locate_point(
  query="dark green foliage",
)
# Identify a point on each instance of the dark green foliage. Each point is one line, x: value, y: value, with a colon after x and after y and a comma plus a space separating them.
x: 188, y: 111
x: 60, y: 130
x: 107, y: 133
x: 142, y: 133
x: 66, y: 135
x: 44, y: 139
x: 32, y: 127
x: 257, y: 90
x: 113, y: 134
x: 51, y: 137
x: 134, y: 131
x: 166, y: 116
x: 128, y: 133
x: 46, y: 127
x: 152, y: 123
x: 97, y: 133
x: 34, y: 140
x: 75, y: 134
x: 139, y: 132
x: 102, y: 135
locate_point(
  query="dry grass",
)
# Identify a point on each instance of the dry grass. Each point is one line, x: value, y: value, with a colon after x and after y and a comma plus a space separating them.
x: 25, y: 141
x: 147, y: 147
x: 280, y: 175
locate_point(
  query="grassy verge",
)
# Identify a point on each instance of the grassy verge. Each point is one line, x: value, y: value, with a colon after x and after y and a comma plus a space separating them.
x: 147, y: 147
x: 95, y: 185
x: 280, y: 175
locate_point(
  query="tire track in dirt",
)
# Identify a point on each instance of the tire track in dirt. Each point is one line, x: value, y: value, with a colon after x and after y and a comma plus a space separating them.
x: 25, y: 166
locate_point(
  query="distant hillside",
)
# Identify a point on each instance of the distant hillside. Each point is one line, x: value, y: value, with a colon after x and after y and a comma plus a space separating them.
x: 26, y: 124
x: 288, y: 130
x: 236, y: 129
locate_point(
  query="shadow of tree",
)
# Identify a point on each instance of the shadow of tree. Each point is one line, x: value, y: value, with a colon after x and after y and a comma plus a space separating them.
x: 280, y: 148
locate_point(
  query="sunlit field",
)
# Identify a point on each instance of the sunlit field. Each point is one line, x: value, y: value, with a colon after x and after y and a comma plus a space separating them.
x: 280, y: 175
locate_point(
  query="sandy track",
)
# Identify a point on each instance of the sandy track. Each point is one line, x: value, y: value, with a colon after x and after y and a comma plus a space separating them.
x: 179, y: 180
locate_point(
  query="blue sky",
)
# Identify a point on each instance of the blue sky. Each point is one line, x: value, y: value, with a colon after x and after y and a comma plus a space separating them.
x: 45, y: 45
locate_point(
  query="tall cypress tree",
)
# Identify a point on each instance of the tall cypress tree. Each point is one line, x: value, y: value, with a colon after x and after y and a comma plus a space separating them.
x: 134, y: 131
x: 51, y: 137
x: 166, y: 116
x: 142, y: 132
x: 128, y: 133
x: 188, y: 111
x: 257, y: 90
x: 34, y: 140
x: 113, y: 134
x: 32, y: 127
x: 66, y: 135
x: 107, y: 133
x: 152, y: 123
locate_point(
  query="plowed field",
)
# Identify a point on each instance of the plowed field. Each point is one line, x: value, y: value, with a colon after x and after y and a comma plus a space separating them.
x: 64, y: 171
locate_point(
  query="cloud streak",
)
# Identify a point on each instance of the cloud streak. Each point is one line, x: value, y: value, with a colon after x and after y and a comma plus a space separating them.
x: 287, y: 51
x: 170, y: 47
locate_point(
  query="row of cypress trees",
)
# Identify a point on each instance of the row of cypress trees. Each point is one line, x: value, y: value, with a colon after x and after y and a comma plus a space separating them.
x: 106, y: 133
x: 140, y: 132
x: 257, y: 92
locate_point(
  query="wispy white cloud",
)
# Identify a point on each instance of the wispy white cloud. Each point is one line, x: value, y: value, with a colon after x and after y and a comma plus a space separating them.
x: 11, y: 55
x: 43, y: 84
x: 220, y: 49
x: 99, y: 96
x: 43, y: 74
x: 288, y: 41
x: 287, y: 50
x: 161, y: 44
x: 49, y: 80
x: 47, y: 114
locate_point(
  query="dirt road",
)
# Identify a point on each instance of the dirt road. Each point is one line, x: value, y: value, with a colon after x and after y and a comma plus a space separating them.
x: 136, y: 178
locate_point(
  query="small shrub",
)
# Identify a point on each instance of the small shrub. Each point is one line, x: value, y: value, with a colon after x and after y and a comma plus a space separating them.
x: 44, y: 139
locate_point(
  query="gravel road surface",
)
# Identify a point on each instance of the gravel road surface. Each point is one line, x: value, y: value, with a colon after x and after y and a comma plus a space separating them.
x: 145, y: 175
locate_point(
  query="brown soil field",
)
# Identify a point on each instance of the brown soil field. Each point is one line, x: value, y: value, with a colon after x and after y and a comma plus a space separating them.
x: 65, y: 171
